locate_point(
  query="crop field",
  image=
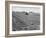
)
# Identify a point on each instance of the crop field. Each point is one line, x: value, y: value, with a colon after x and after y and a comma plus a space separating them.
x: 25, y: 21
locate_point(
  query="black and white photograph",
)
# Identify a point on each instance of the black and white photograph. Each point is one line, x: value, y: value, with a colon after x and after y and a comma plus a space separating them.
x: 25, y: 18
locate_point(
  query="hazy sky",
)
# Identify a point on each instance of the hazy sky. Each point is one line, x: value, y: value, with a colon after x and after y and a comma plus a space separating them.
x: 33, y: 9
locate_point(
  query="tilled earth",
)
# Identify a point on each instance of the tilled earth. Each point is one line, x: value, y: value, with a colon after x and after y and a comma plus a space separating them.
x: 20, y: 21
